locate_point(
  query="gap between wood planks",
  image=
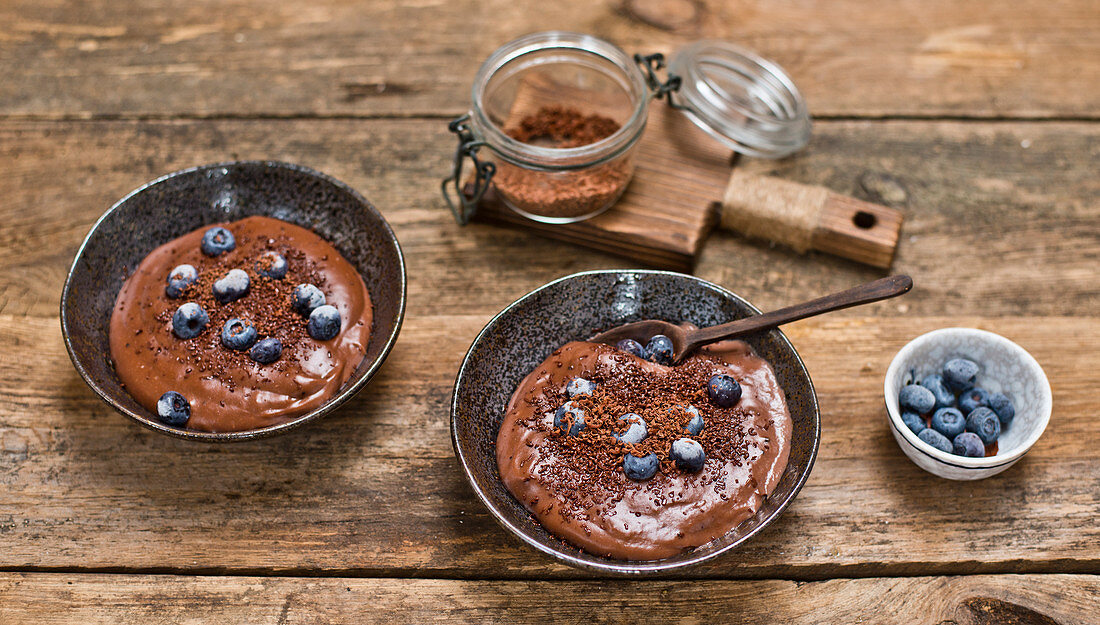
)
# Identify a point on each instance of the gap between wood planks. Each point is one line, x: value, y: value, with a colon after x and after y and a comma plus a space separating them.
x: 813, y: 573
x: 146, y: 117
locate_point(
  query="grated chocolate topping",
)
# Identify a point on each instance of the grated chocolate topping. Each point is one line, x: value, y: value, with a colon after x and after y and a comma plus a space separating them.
x: 590, y: 463
x: 576, y: 485
x: 267, y: 306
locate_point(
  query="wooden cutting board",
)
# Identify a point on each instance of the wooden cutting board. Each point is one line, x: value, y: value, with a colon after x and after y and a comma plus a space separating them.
x: 682, y: 188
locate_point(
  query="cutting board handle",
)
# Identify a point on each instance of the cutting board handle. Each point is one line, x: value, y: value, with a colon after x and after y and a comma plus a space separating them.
x: 805, y: 217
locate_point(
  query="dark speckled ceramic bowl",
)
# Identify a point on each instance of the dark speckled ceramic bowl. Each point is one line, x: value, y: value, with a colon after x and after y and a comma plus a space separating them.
x: 183, y: 201
x: 574, y: 308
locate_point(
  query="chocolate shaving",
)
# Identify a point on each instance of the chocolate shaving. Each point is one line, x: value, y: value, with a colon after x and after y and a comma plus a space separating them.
x: 570, y: 193
x: 266, y: 306
x: 562, y: 127
x: 588, y: 468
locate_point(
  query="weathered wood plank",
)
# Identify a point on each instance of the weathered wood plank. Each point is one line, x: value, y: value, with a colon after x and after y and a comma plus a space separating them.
x: 375, y: 490
x: 975, y: 600
x: 340, y: 57
x: 992, y: 227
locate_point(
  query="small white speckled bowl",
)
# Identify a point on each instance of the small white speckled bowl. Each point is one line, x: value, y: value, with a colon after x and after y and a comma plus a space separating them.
x: 1005, y: 367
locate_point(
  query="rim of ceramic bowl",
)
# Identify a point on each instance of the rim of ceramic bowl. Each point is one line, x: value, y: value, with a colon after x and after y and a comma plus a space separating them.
x: 608, y: 565
x: 963, y: 462
x: 345, y: 392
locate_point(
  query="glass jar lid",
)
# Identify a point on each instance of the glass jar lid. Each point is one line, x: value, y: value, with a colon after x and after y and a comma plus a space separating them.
x: 743, y: 100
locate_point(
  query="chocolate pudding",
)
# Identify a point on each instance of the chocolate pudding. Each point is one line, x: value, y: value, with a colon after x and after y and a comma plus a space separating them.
x: 281, y: 359
x: 573, y: 474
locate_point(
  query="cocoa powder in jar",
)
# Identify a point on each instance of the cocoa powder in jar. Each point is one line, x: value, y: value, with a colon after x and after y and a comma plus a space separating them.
x: 571, y: 193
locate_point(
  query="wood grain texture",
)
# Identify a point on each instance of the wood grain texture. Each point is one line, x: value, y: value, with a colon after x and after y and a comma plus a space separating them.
x: 346, y: 521
x: 858, y: 230
x: 975, y: 600
x: 992, y: 227
x: 374, y: 489
x: 157, y: 58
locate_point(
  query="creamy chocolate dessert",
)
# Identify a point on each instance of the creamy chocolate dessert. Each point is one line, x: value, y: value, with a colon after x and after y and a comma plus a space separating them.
x: 239, y: 325
x: 634, y: 460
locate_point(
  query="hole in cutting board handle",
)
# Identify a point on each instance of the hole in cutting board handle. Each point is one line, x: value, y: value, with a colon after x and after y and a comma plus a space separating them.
x: 864, y: 220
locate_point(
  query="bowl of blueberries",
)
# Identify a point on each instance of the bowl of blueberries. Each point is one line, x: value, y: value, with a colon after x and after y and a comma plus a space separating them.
x: 966, y: 404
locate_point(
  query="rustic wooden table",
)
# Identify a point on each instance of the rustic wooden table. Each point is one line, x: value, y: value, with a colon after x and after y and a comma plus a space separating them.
x: 978, y: 119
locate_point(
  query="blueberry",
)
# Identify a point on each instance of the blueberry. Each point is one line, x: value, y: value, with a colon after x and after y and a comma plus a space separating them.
x: 238, y: 335
x: 984, y: 422
x: 231, y: 287
x: 659, y: 349
x: 324, y: 323
x: 968, y: 444
x: 1002, y: 405
x: 305, y: 298
x: 266, y: 351
x: 217, y: 240
x: 566, y: 413
x: 935, y: 439
x: 641, y: 469
x: 635, y: 432
x: 914, y: 421
x: 189, y: 320
x: 696, y: 424
x: 173, y: 409
x: 916, y: 398
x: 949, y: 422
x: 687, y: 454
x: 579, y: 386
x: 944, y: 397
x: 179, y: 279
x: 723, y: 390
x: 960, y: 374
x: 972, y: 399
x: 631, y: 346
x: 271, y: 265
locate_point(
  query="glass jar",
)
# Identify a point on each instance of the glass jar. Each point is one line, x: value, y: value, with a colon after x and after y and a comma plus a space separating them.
x: 531, y: 93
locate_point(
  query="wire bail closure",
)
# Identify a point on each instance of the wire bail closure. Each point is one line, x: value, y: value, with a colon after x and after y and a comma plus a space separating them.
x: 650, y: 65
x: 468, y: 145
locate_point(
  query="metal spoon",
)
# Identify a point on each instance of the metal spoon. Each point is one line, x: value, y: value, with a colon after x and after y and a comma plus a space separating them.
x: 685, y: 340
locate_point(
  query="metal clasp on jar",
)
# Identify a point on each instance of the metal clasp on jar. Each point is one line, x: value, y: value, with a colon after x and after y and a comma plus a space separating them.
x: 463, y: 206
x: 650, y: 65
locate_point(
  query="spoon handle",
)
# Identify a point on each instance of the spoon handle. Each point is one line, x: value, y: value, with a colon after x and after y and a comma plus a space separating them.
x: 880, y: 289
